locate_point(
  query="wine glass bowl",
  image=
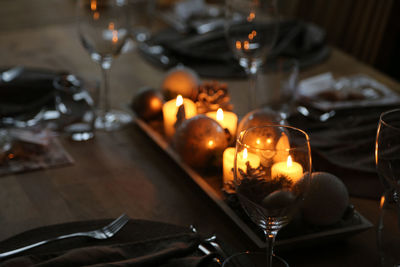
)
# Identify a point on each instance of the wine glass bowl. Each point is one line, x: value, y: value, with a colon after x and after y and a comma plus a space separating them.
x: 251, y: 29
x: 103, y: 31
x: 387, y: 151
x: 272, y: 174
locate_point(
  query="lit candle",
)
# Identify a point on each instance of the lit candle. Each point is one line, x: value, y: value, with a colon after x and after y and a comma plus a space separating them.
x: 291, y: 170
x: 170, y: 111
x: 228, y: 120
x: 243, y: 157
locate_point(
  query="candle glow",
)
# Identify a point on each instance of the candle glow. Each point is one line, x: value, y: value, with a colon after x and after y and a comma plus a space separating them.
x: 170, y: 111
x: 242, y: 158
x: 228, y: 120
x: 290, y: 169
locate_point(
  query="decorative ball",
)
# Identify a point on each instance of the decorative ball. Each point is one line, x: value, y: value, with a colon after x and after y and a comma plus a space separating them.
x: 200, y: 142
x: 260, y: 117
x: 278, y: 199
x: 147, y: 103
x: 180, y: 81
x: 326, y: 201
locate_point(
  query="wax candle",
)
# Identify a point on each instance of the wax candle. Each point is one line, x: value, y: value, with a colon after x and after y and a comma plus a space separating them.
x: 170, y: 110
x: 228, y: 120
x: 243, y: 157
x: 288, y: 168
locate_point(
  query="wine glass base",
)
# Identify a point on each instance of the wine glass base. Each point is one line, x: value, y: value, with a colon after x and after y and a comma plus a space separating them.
x: 112, y: 120
x: 253, y: 259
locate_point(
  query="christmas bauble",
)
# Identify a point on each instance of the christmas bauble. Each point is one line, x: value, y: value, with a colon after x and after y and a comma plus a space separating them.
x: 200, y: 142
x: 326, y: 200
x: 147, y: 103
x: 180, y: 81
x: 260, y: 117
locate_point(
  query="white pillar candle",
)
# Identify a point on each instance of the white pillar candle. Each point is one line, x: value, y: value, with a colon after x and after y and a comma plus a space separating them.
x: 243, y: 157
x: 228, y: 120
x: 291, y: 170
x: 170, y: 110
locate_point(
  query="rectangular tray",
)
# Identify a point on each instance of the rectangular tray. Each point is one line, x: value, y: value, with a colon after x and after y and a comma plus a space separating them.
x: 212, y: 185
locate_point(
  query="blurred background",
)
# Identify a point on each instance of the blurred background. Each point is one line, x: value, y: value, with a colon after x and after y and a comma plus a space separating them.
x: 369, y: 30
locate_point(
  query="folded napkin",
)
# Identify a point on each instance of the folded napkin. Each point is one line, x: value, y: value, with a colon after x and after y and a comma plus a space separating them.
x: 345, y: 145
x: 139, y: 243
x: 210, y: 56
x: 28, y: 92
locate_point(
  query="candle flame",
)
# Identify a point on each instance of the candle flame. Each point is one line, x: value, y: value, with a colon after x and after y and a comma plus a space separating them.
x: 289, y: 162
x: 220, y: 115
x: 179, y: 100
x: 245, y: 153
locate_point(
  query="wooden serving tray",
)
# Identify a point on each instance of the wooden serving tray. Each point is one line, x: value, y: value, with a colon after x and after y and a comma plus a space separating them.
x: 211, y: 184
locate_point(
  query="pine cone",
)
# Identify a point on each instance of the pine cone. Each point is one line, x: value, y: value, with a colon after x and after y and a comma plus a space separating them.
x: 213, y: 95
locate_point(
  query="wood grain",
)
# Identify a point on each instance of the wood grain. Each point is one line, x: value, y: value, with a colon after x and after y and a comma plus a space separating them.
x: 125, y: 171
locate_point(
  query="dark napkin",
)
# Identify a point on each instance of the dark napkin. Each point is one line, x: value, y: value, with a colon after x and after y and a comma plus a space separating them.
x: 139, y: 243
x: 210, y: 56
x: 28, y: 92
x: 345, y: 145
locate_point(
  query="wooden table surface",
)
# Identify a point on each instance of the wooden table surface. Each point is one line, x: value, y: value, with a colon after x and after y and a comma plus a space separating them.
x: 124, y: 171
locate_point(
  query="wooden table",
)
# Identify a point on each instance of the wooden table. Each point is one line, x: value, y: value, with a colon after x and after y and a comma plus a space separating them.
x: 124, y: 171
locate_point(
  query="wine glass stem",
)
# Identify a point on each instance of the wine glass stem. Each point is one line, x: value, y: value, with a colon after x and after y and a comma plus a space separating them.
x: 270, y: 242
x: 253, y: 90
x: 104, y: 100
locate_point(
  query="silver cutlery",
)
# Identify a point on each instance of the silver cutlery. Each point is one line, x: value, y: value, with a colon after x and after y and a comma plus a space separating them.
x: 210, y: 245
x: 105, y: 232
x: 11, y: 74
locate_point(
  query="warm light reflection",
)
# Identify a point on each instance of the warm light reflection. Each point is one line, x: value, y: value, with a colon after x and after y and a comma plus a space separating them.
x: 258, y: 141
x: 111, y: 27
x: 210, y: 143
x: 114, y: 36
x: 93, y: 5
x: 382, y: 202
x: 245, y: 153
x: 220, y: 115
x: 252, y: 35
x: 96, y: 15
x: 289, y: 161
x: 269, y: 141
x: 251, y: 16
x: 246, y: 45
x: 179, y: 100
x: 238, y: 45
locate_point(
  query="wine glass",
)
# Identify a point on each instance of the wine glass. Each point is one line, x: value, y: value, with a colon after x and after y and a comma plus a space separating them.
x: 272, y: 174
x: 251, y: 29
x: 387, y: 158
x: 103, y: 31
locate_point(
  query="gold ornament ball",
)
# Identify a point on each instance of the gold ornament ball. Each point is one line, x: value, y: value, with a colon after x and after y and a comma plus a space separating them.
x: 326, y: 200
x: 200, y: 142
x: 260, y: 117
x: 147, y: 103
x: 180, y: 81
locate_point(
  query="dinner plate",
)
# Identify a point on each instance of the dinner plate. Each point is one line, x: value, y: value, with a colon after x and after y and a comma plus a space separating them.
x: 326, y: 93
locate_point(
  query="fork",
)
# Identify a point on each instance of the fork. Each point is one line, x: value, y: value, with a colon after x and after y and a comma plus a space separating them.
x: 106, y: 232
